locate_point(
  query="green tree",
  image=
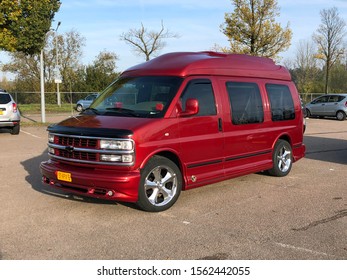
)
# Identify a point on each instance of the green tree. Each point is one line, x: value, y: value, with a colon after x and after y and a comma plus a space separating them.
x: 66, y: 47
x: 24, y: 24
x: 102, y: 72
x: 251, y: 29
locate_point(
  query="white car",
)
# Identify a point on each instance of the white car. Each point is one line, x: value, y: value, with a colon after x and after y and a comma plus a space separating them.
x: 9, y: 113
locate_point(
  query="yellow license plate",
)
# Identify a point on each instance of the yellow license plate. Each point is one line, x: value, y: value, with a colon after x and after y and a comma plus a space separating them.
x: 64, y: 176
x: 1, y: 112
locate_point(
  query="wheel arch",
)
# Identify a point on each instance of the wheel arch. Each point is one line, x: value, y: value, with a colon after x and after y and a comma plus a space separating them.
x: 171, y: 155
x: 284, y: 137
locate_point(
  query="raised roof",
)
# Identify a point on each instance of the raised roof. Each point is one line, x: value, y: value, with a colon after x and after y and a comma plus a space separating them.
x: 210, y: 63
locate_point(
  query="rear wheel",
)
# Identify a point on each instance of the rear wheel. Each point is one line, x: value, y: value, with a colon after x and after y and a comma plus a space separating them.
x: 341, y: 116
x: 160, y: 185
x: 15, y: 130
x: 282, y: 159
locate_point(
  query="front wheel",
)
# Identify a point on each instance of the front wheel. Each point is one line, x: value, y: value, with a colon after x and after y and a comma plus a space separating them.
x: 282, y: 158
x: 79, y: 108
x: 160, y: 185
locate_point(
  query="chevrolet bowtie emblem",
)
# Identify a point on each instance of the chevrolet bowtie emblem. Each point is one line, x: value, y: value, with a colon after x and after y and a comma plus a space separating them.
x: 70, y: 149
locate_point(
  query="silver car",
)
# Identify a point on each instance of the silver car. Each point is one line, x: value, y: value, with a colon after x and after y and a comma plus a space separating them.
x: 329, y: 105
x: 83, y: 104
x: 9, y: 113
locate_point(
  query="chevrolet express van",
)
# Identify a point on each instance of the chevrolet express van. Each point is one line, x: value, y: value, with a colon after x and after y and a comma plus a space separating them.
x: 179, y: 121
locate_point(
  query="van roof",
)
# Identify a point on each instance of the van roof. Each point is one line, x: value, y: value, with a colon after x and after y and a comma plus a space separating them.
x: 210, y: 63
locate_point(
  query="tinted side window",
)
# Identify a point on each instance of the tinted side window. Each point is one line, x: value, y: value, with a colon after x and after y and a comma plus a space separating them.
x: 4, y: 98
x: 203, y: 92
x: 282, y: 105
x: 246, y: 103
x: 336, y: 98
x: 322, y: 99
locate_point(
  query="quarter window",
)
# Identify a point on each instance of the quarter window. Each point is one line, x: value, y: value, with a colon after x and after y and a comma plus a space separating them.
x: 281, y: 101
x: 246, y: 103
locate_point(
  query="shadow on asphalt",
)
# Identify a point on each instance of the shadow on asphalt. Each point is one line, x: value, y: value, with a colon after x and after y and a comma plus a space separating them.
x: 32, y: 166
x: 326, y: 149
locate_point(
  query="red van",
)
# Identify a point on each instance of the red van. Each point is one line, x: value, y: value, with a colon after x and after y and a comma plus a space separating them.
x: 179, y: 121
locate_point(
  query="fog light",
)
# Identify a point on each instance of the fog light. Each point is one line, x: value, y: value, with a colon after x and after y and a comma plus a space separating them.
x: 110, y: 193
x: 111, y: 158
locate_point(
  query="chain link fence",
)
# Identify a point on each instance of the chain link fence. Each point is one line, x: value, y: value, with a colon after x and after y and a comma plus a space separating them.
x: 50, y: 97
x: 73, y: 97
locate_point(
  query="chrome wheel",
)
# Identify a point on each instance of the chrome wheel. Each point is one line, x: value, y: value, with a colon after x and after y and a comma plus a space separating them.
x: 282, y: 158
x: 160, y: 185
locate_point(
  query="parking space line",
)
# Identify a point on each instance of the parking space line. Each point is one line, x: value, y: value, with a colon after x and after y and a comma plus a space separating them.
x: 302, y: 249
x: 30, y: 134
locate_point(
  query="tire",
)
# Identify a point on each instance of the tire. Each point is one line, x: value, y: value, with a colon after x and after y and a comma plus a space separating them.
x: 341, y: 116
x: 308, y: 113
x: 160, y: 185
x: 15, y: 130
x: 282, y: 158
x: 79, y: 108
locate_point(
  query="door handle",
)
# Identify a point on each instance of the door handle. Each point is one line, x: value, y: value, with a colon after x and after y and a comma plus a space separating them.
x: 220, y: 124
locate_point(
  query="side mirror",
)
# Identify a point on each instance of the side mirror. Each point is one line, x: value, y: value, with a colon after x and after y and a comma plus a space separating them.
x: 192, y: 108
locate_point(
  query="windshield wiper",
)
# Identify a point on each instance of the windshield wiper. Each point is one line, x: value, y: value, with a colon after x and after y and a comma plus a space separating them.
x: 122, y: 111
x: 95, y: 111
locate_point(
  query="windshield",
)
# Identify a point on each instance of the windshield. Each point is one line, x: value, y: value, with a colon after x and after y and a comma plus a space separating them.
x: 143, y: 97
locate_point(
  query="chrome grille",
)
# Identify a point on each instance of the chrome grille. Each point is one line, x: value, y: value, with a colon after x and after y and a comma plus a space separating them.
x: 77, y: 142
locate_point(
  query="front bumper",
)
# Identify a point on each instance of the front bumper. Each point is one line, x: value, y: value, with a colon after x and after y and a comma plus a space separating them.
x: 99, y: 183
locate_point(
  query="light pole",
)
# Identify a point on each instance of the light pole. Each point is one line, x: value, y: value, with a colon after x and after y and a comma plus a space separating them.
x: 57, y: 70
x: 42, y: 81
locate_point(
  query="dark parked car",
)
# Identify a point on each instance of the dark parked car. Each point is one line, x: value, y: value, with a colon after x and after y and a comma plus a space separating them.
x: 329, y: 105
x: 83, y: 104
x: 9, y: 113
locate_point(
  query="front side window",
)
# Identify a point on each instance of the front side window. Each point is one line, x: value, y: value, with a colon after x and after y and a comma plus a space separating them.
x: 322, y: 99
x: 246, y: 103
x: 143, y: 97
x: 201, y: 90
x: 281, y: 102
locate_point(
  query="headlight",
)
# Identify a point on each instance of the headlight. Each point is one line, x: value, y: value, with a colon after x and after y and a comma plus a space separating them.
x: 117, y: 145
x: 50, y: 138
x: 51, y: 150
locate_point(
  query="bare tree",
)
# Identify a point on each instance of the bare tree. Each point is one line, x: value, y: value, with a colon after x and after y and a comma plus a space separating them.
x: 306, y: 64
x: 145, y: 42
x: 329, y: 38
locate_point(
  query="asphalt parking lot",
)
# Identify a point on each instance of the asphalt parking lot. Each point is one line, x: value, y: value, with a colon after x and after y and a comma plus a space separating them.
x: 301, y: 216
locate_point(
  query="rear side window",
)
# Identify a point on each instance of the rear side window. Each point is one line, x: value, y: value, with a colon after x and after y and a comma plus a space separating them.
x: 202, y: 91
x: 4, y: 98
x: 336, y: 98
x: 281, y: 101
x: 245, y: 101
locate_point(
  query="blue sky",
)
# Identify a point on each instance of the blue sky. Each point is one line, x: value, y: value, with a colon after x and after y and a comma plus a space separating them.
x: 197, y: 22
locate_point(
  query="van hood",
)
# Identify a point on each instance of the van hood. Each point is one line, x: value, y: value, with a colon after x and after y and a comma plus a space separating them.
x: 99, y: 126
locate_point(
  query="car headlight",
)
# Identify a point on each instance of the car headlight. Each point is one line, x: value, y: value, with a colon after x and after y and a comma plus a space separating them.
x: 125, y: 145
x: 50, y: 138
